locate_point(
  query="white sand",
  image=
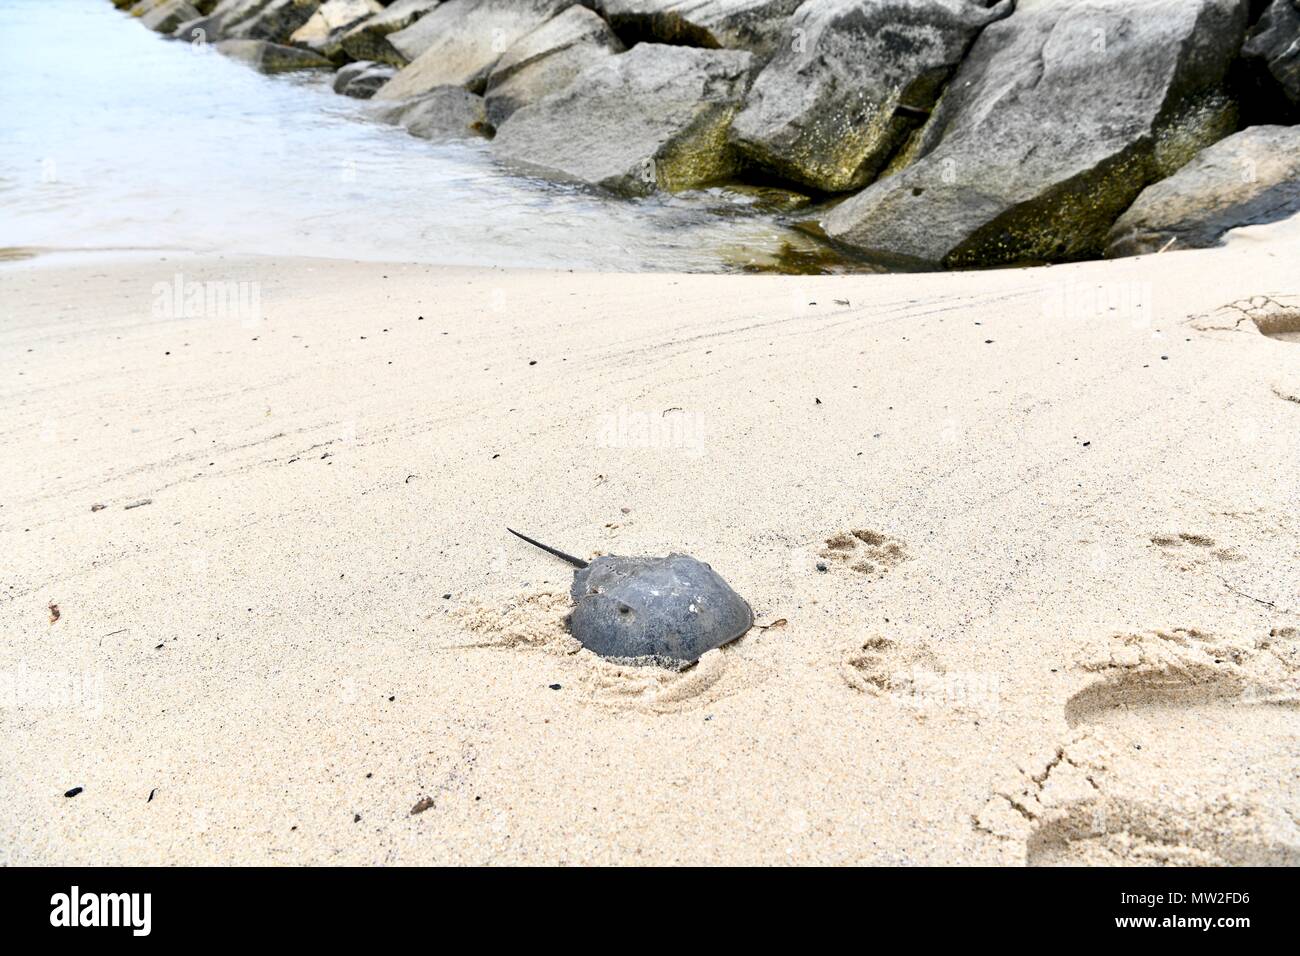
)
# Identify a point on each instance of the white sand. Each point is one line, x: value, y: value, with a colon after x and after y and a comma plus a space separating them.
x: 1080, y: 646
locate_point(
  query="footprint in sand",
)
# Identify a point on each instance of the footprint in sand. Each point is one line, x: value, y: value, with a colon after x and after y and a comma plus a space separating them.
x: 1184, y: 667
x: 1275, y: 317
x: 537, y: 623
x: 883, y: 667
x: 1192, y: 550
x: 864, y: 551
x: 908, y: 674
x: 1118, y: 790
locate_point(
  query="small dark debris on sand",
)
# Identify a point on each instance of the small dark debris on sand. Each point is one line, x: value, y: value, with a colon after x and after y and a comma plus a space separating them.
x: 424, y: 803
x: 55, y: 613
x: 73, y: 792
x: 138, y: 504
x: 553, y: 686
x: 151, y: 793
x: 98, y: 507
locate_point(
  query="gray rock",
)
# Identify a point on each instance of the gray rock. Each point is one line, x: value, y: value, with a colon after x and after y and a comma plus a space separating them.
x: 323, y: 31
x: 826, y: 110
x: 1275, y: 40
x: 210, y: 26
x: 1060, y: 115
x: 349, y: 72
x: 272, y: 20
x: 444, y: 113
x: 272, y: 57
x: 164, y: 16
x: 1250, y: 177
x: 459, y: 43
x: 656, y: 116
x: 654, y: 610
x: 362, y: 78
x: 759, y: 26
x: 547, y: 60
x: 199, y: 30
x: 368, y: 40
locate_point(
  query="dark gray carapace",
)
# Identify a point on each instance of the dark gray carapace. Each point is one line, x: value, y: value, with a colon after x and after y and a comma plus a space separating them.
x: 671, y: 609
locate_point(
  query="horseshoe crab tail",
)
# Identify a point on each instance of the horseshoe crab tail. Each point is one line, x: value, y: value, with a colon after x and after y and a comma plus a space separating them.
x: 576, y: 562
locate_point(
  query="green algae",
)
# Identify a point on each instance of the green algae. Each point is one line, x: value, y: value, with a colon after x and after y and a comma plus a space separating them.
x: 1072, y: 220
x: 701, y: 154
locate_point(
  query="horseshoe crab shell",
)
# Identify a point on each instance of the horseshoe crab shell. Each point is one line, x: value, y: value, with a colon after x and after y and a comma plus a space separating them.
x: 669, y: 609
x: 674, y: 607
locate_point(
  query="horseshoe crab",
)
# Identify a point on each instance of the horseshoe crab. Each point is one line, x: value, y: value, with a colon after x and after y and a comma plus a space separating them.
x: 668, y: 610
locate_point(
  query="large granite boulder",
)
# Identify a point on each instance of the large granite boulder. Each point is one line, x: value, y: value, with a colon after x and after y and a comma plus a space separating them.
x: 272, y: 57
x: 201, y: 29
x: 445, y: 113
x: 165, y: 16
x: 368, y: 40
x: 656, y: 116
x: 1059, y: 116
x: 459, y: 43
x: 362, y: 78
x: 273, y: 20
x: 547, y: 59
x: 830, y: 110
x: 139, y: 8
x: 210, y: 25
x: 1251, y: 177
x: 323, y: 31
x: 759, y: 26
x: 1275, y: 42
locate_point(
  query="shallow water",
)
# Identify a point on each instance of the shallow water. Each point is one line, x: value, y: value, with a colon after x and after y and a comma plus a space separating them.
x: 112, y: 137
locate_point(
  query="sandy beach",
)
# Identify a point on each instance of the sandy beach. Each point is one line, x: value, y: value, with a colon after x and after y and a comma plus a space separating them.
x: 1025, y: 547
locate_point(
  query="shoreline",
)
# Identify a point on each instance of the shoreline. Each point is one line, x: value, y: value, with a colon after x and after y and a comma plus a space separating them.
x: 911, y: 152
x: 1077, y: 652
